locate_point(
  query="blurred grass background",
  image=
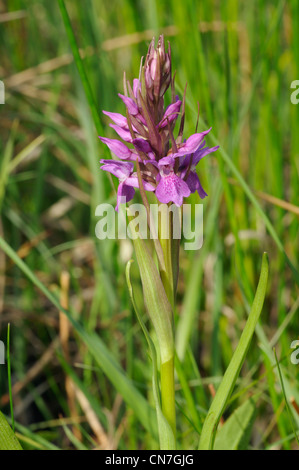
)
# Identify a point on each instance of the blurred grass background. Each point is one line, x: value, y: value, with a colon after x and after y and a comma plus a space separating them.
x: 239, y: 59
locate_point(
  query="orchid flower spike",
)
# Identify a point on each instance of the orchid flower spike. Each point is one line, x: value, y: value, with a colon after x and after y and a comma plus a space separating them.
x: 146, y: 139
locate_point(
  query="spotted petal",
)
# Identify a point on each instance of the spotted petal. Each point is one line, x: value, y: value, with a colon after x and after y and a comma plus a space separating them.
x: 171, y: 188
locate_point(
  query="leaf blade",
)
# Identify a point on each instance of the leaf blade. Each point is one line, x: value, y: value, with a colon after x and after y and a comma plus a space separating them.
x: 228, y: 382
x: 8, y: 440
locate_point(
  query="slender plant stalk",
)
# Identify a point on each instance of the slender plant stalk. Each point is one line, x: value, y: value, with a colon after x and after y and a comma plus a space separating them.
x: 167, y: 368
x: 165, y: 236
x: 166, y: 435
x: 168, y: 393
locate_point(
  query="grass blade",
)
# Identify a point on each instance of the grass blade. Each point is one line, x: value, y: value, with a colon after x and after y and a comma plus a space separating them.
x: 226, y: 387
x: 236, y: 432
x: 8, y: 440
x: 99, y: 351
x: 249, y: 193
x: 80, y: 67
x: 285, y: 398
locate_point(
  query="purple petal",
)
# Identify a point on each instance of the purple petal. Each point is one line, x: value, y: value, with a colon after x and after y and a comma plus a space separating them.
x: 130, y: 104
x: 119, y: 169
x: 148, y: 81
x: 133, y: 181
x: 142, y: 145
x: 153, y: 66
x: 134, y: 157
x: 195, y: 185
x: 117, y: 118
x: 186, y: 159
x: 123, y: 133
x: 196, y: 157
x: 152, y: 161
x: 117, y: 147
x: 192, y: 144
x: 124, y: 194
x: 202, y: 152
x: 172, y: 112
x: 169, y: 160
x: 172, y: 189
x: 136, y: 87
x: 151, y: 156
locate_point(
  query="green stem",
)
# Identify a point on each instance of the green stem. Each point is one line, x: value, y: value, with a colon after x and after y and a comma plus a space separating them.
x: 168, y: 393
x: 167, y: 276
x: 166, y: 242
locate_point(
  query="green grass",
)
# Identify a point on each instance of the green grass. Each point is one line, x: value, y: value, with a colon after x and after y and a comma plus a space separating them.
x: 239, y: 59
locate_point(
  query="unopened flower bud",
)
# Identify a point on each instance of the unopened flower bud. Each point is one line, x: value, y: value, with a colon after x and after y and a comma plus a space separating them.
x: 157, y: 70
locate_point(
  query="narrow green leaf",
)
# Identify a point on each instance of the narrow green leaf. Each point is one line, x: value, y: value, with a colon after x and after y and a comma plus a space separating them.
x: 8, y: 440
x: 117, y: 376
x: 228, y: 382
x: 293, y: 424
x: 235, y: 434
x: 80, y: 67
x: 33, y: 440
x: 166, y: 437
x: 93, y: 401
x: 97, y: 348
x: 73, y: 439
x: 258, y: 208
x: 6, y: 159
x: 155, y: 299
x: 192, y: 411
x: 249, y: 193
